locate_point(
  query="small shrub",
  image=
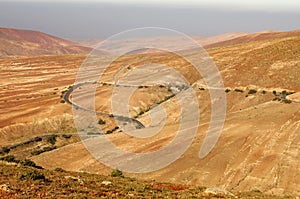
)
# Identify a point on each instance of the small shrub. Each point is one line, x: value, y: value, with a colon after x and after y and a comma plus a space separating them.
x: 287, y: 101
x: 59, y: 170
x: 238, y: 90
x: 28, y: 163
x: 275, y: 93
x: 38, y: 139
x: 32, y: 175
x: 256, y: 191
x: 115, y: 129
x: 227, y: 90
x: 101, y: 122
x: 264, y: 92
x: 62, y: 101
x: 116, y: 173
x: 5, y: 150
x: 52, y: 139
x: 276, y: 99
x: 141, y: 113
x: 66, y: 136
x: 252, y: 91
x: 9, y: 158
x: 290, y: 93
x: 45, y: 149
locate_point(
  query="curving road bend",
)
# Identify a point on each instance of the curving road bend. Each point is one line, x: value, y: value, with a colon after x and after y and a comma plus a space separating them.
x: 67, y: 95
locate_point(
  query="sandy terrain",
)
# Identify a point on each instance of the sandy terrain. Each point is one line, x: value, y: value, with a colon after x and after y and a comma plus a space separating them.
x: 258, y: 149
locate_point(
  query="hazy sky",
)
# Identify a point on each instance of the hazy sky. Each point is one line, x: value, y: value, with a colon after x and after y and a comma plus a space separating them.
x: 102, y: 18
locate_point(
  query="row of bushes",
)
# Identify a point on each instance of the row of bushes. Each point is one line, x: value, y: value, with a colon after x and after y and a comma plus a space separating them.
x: 253, y: 91
x: 43, y: 150
x: 286, y: 101
x: 113, y: 130
x: 25, y: 162
x: 250, y: 92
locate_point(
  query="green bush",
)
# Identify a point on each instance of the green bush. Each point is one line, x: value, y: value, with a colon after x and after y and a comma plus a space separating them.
x: 5, y: 150
x: 45, y: 149
x: 256, y: 191
x: 62, y: 101
x: 276, y: 99
x: 290, y: 93
x: 227, y: 90
x: 28, y: 163
x: 238, y: 90
x: 252, y: 91
x: 115, y: 129
x: 141, y: 113
x: 287, y: 101
x: 9, y: 158
x: 116, y: 173
x: 37, y: 139
x: 32, y: 175
x: 101, y: 122
x: 52, y: 139
x: 59, y: 170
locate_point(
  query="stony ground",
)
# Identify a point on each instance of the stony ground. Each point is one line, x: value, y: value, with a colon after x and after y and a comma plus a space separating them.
x: 28, y: 182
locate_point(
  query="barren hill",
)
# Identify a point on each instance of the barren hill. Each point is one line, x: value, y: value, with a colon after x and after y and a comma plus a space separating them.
x: 204, y: 41
x: 260, y: 36
x: 208, y: 41
x: 15, y: 42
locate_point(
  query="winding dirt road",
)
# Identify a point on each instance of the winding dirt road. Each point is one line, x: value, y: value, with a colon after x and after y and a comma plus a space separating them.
x: 67, y: 95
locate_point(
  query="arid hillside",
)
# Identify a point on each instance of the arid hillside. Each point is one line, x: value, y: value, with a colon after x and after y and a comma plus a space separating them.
x: 26, y: 180
x: 204, y: 41
x: 15, y: 42
x: 258, y: 148
x: 261, y: 36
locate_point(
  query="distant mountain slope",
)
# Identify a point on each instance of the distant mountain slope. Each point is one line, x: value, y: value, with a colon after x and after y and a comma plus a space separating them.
x: 265, y: 35
x: 15, y: 42
x: 222, y: 40
x: 204, y: 41
x: 207, y: 41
